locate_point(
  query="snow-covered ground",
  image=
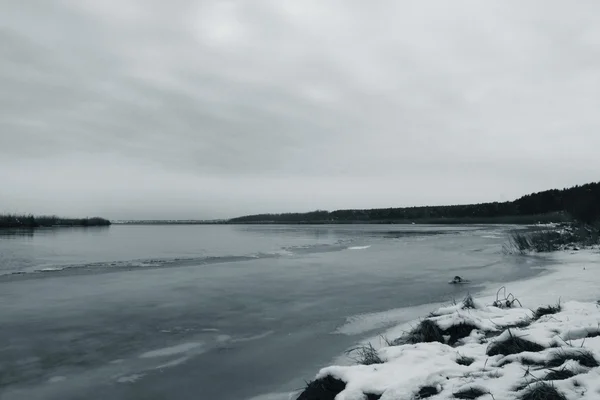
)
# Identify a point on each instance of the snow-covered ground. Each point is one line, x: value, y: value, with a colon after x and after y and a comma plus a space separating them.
x: 500, y: 365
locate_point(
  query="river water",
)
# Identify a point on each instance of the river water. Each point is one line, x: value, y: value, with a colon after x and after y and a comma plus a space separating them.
x: 217, y: 312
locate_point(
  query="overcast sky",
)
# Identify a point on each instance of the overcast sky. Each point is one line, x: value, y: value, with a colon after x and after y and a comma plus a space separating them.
x: 211, y: 109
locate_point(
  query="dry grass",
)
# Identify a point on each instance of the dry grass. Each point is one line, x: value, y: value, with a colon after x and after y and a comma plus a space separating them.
x: 513, y: 345
x: 468, y: 302
x: 325, y: 388
x: 470, y: 393
x: 559, y: 374
x: 425, y: 392
x: 426, y: 331
x: 572, y: 237
x: 583, y: 357
x: 521, y: 324
x: 542, y: 391
x: 459, y: 331
x: 365, y: 355
x: 464, y: 360
x: 547, y: 310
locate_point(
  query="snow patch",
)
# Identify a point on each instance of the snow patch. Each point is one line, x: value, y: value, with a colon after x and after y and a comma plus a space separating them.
x: 408, y: 368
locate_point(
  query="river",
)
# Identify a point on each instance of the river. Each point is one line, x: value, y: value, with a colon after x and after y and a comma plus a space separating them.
x: 217, y: 311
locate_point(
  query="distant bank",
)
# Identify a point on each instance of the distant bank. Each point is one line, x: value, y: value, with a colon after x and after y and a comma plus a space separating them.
x: 580, y: 203
x: 31, y: 221
x: 517, y: 220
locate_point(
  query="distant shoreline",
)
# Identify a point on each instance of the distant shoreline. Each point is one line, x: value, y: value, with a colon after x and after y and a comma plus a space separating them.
x: 507, y: 220
x: 12, y: 221
x: 581, y: 203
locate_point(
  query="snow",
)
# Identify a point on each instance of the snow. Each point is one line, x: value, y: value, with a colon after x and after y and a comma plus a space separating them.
x: 575, y: 328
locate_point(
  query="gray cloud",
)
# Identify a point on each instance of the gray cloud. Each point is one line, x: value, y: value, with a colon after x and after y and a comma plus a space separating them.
x: 140, y: 109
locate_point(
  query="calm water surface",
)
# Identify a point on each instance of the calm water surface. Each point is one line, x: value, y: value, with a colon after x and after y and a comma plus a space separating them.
x: 215, y: 312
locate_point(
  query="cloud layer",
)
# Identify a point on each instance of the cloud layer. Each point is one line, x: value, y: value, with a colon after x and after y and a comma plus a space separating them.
x: 192, y: 109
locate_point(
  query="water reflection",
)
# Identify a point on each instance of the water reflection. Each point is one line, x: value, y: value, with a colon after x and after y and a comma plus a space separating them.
x: 16, y: 233
x: 350, y: 230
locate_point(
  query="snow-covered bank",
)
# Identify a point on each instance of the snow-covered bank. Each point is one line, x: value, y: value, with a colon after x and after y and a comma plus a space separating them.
x: 496, y: 352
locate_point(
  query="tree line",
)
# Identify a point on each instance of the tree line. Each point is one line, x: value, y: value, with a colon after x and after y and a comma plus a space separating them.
x: 581, y: 203
x: 31, y: 221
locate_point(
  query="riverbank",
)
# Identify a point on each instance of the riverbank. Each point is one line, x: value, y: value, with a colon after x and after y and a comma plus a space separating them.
x: 13, y: 221
x: 486, y: 348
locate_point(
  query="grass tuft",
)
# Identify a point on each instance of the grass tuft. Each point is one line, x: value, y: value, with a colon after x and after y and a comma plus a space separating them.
x: 459, y: 331
x: 325, y: 388
x: 547, y: 310
x: 568, y: 237
x: 524, y: 323
x: 425, y: 392
x: 513, y: 345
x: 468, y: 302
x: 583, y: 357
x: 542, y: 391
x: 470, y: 393
x: 559, y: 374
x: 595, y: 332
x: 426, y: 331
x: 464, y: 360
x: 518, y: 242
x: 365, y: 355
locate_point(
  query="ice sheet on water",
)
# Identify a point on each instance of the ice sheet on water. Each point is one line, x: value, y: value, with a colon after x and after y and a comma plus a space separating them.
x: 359, y: 247
x: 173, y: 350
x: 173, y: 363
x: 130, y: 378
x: 357, y: 324
x: 274, y: 396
